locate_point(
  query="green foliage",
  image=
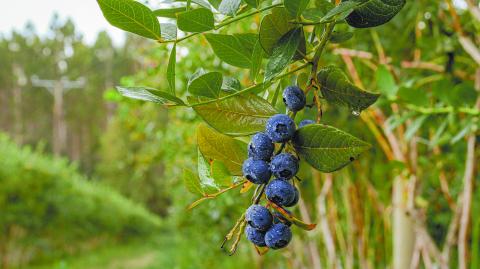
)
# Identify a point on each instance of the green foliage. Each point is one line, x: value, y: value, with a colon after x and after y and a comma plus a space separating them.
x: 273, y: 27
x: 131, y: 16
x: 149, y: 94
x: 338, y: 90
x: 327, y: 148
x: 236, y: 50
x: 237, y: 116
x: 206, y: 84
x: 283, y: 53
x: 54, y: 205
x: 195, y: 20
x: 373, y: 13
x: 223, y: 148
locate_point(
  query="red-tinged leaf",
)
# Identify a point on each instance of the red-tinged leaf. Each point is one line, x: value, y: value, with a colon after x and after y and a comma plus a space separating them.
x: 293, y: 219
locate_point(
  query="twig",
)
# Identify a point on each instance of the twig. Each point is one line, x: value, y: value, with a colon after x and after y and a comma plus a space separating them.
x: 467, y: 192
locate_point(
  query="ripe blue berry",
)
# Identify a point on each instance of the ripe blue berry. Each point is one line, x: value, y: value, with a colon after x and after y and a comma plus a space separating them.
x: 279, y: 218
x: 294, y: 98
x: 256, y: 171
x: 305, y: 123
x: 255, y: 236
x: 284, y: 165
x: 280, y: 192
x: 295, y: 199
x: 278, y: 236
x: 259, y: 217
x: 280, y: 128
x: 261, y: 147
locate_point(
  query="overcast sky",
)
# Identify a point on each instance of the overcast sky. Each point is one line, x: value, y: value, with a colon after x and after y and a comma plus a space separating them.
x: 86, y: 14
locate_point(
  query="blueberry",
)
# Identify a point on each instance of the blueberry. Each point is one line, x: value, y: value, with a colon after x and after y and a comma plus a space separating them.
x: 284, y: 165
x: 280, y: 192
x: 261, y: 147
x: 255, y: 236
x: 259, y: 217
x: 280, y: 128
x: 256, y: 171
x: 305, y: 123
x: 295, y: 199
x: 279, y: 218
x: 278, y: 236
x: 294, y: 98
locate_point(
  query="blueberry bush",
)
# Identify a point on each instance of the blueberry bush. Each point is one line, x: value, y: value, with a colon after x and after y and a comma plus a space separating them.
x: 288, y: 45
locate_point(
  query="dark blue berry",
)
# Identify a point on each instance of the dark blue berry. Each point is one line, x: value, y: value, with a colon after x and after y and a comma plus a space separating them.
x: 261, y: 147
x: 259, y: 217
x: 256, y: 171
x: 294, y: 98
x: 284, y: 165
x: 280, y: 128
x: 295, y: 200
x: 279, y: 218
x: 280, y: 192
x: 278, y: 236
x: 255, y: 236
x: 305, y: 123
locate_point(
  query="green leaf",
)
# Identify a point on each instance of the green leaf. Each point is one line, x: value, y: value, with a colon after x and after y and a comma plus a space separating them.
x: 257, y: 57
x: 208, y: 85
x: 220, y: 173
x: 317, y: 13
x: 326, y: 148
x: 296, y: 7
x: 283, y: 53
x: 373, y: 13
x: 412, y: 96
x: 340, y: 37
x: 171, y: 69
x: 169, y: 12
x: 231, y: 84
x: 150, y: 94
x: 253, y: 3
x: 385, y: 82
x: 273, y: 27
x: 231, y: 49
x: 344, y: 9
x: 215, y: 3
x: 207, y: 182
x: 131, y: 16
x: 237, y: 116
x: 192, y: 182
x: 229, y: 7
x: 223, y: 148
x: 195, y: 20
x: 337, y: 89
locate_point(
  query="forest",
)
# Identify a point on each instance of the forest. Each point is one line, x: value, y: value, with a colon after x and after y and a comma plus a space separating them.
x: 154, y: 153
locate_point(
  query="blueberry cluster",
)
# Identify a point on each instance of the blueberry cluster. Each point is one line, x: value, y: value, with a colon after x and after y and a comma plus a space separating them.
x: 263, y: 228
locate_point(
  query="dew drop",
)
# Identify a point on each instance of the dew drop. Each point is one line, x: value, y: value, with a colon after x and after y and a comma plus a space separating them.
x: 355, y: 113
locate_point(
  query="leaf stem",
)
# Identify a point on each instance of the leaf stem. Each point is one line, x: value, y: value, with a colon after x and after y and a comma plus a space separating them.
x: 323, y: 43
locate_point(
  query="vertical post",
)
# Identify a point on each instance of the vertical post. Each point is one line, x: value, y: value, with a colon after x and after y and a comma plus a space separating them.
x: 403, y: 226
x: 59, y: 128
